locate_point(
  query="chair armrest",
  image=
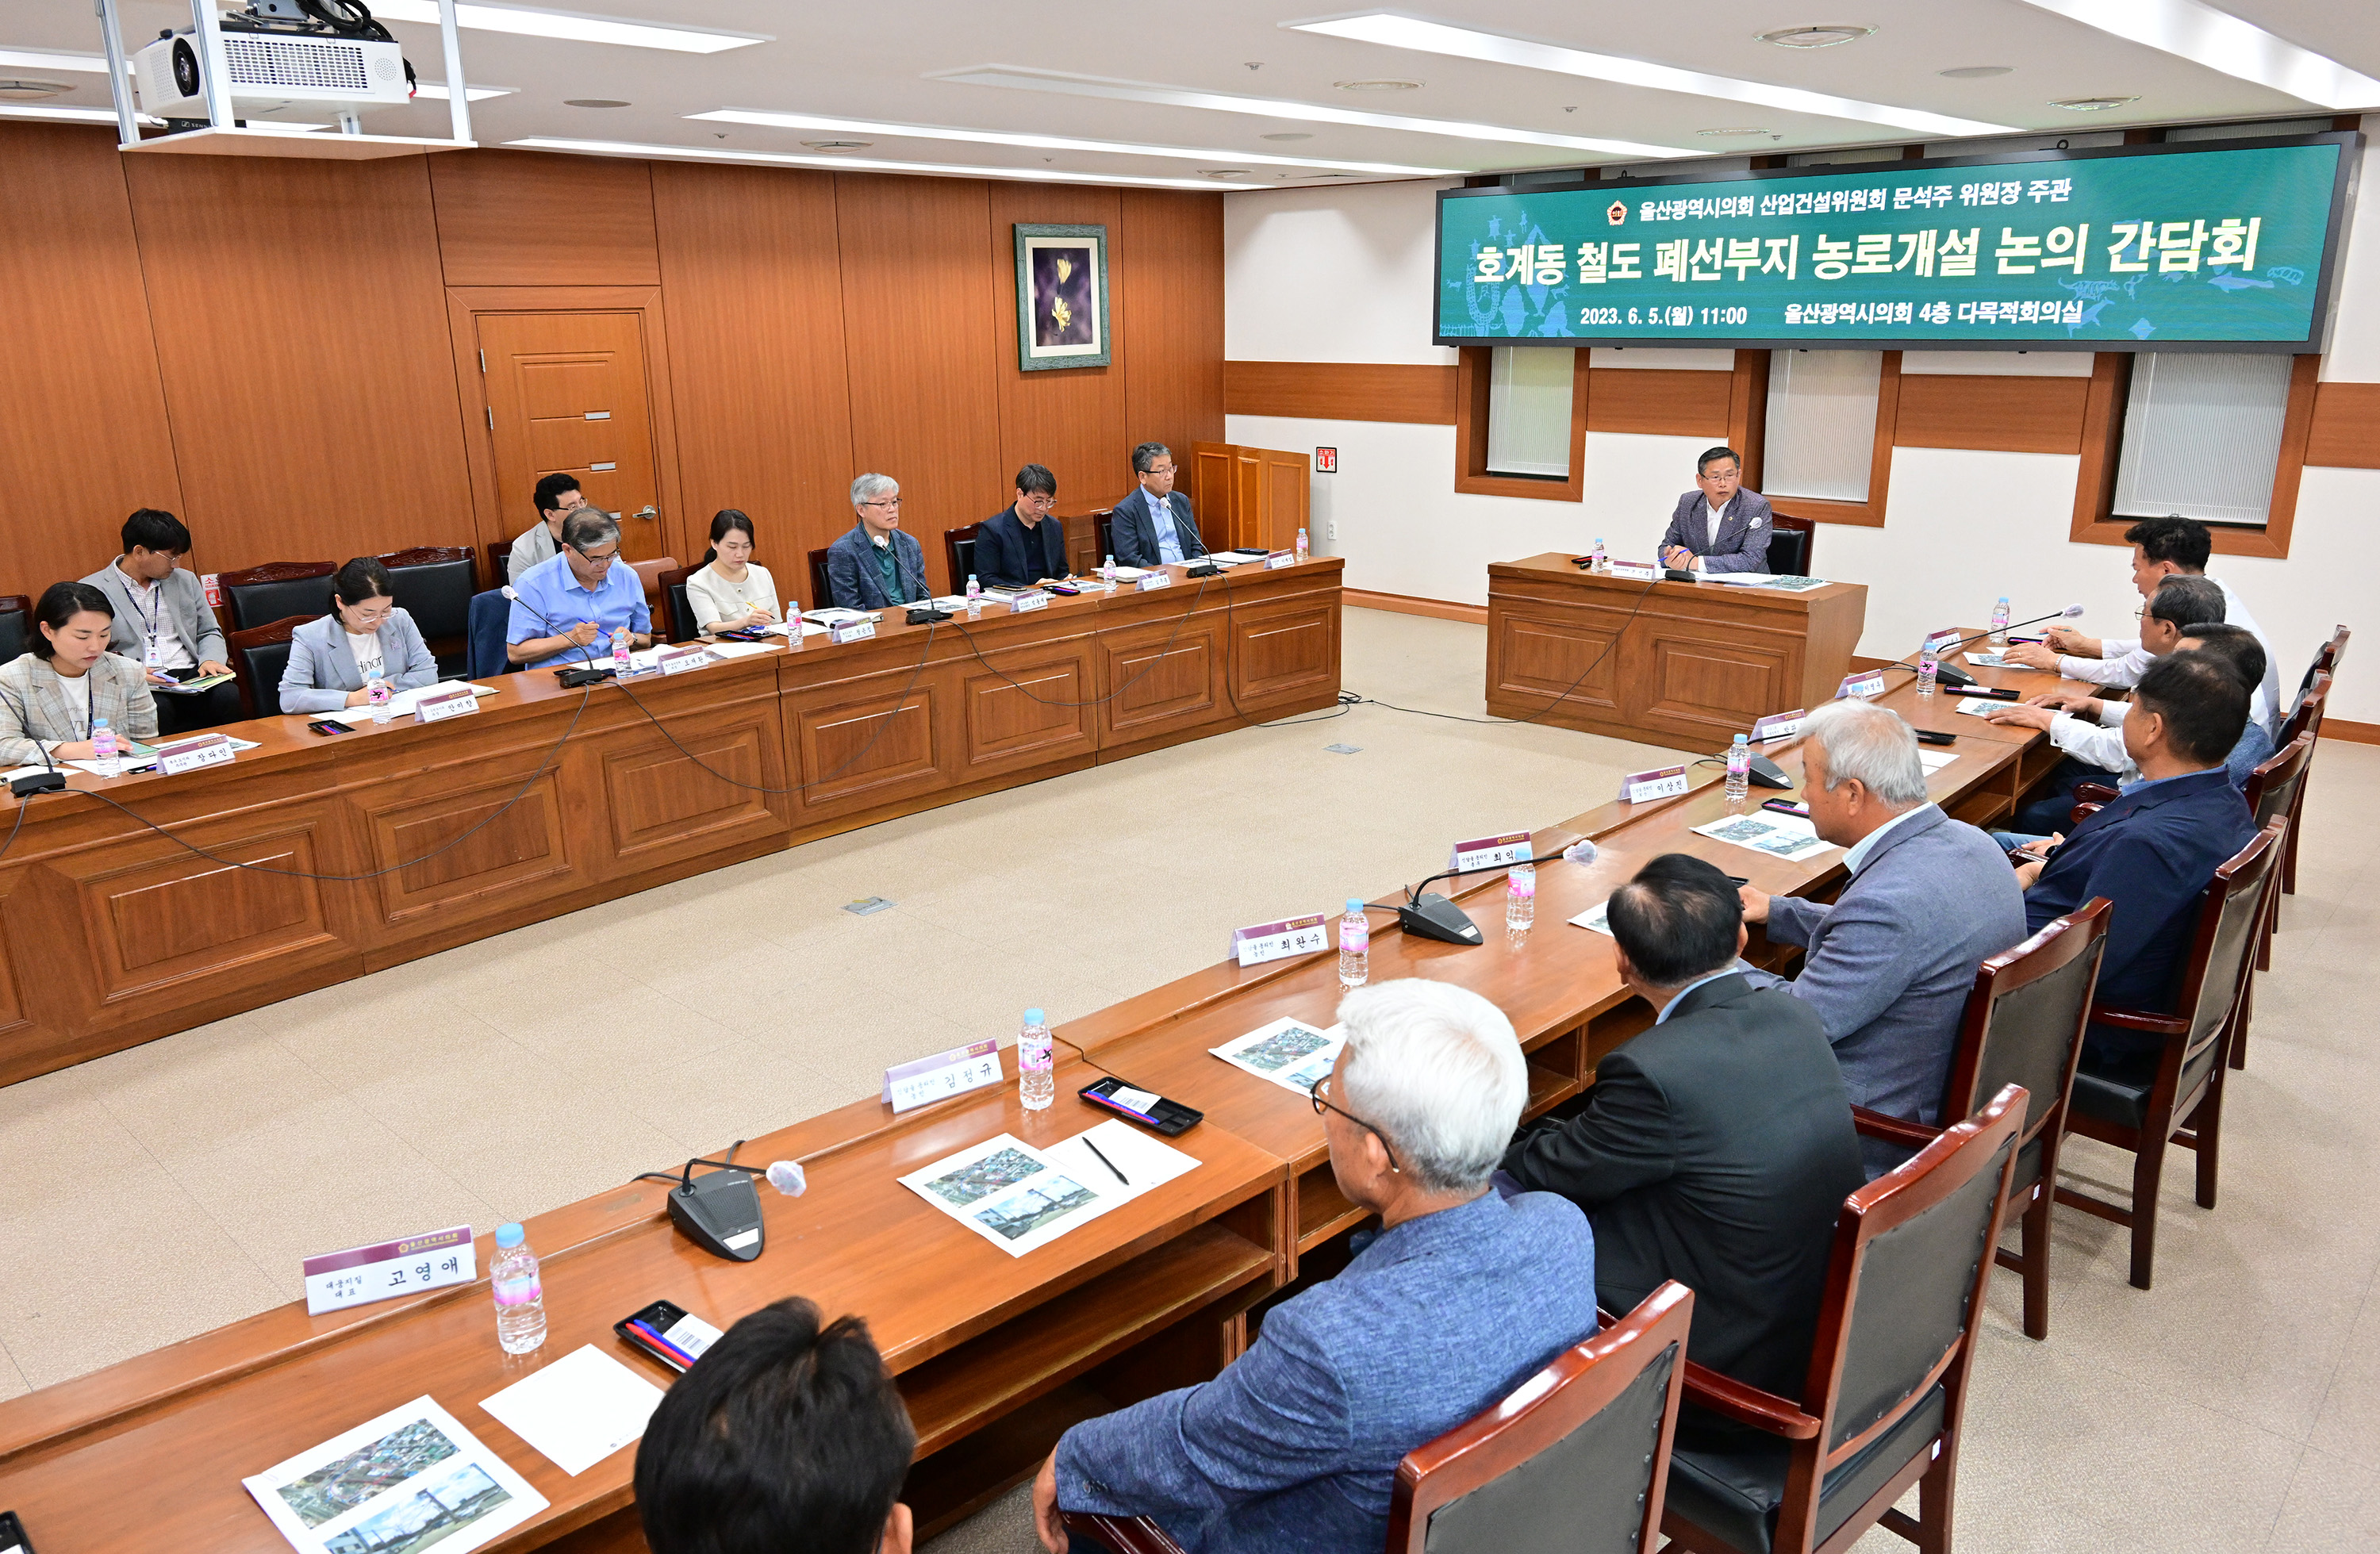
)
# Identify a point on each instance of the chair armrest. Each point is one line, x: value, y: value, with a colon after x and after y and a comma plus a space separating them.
x: 1897, y: 1130
x: 1763, y: 1411
x: 2139, y: 1020
x: 2094, y: 793
x: 2081, y: 813
x: 1136, y: 1535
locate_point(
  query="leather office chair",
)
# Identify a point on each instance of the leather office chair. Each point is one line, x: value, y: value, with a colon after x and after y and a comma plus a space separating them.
x: 263, y: 595
x: 1103, y: 525
x: 15, y: 626
x: 1889, y: 1370
x: 1790, y: 542
x: 649, y: 574
x: 2023, y: 1026
x: 1573, y: 1462
x: 680, y: 610
x: 2306, y: 718
x: 2272, y: 795
x: 821, y: 591
x: 2182, y: 1101
x: 492, y: 613
x: 499, y: 555
x: 958, y: 546
x: 258, y: 657
x: 434, y: 583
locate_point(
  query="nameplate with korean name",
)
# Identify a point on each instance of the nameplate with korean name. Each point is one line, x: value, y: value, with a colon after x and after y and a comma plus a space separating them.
x: 1666, y: 781
x: 851, y: 631
x: 1863, y: 682
x: 188, y: 755
x: 1277, y: 559
x: 945, y: 1074
x: 1274, y: 942
x: 1031, y: 598
x: 1636, y: 571
x: 1154, y: 577
x: 678, y: 660
x: 1777, y: 725
x: 1941, y: 642
x: 362, y: 1274
x: 1491, y: 852
x: 453, y: 704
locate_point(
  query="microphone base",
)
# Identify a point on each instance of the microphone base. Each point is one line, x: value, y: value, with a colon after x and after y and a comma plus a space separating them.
x: 583, y: 675
x: 927, y: 617
x: 38, y: 783
x: 720, y: 1214
x: 1959, y: 679
x: 1204, y: 569
x: 1434, y: 916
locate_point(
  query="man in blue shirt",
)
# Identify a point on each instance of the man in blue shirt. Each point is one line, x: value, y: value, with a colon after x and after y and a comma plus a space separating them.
x: 1153, y: 525
x: 565, y: 610
x: 1461, y: 1296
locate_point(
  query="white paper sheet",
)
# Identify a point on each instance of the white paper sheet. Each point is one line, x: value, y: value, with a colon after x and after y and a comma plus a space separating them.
x: 1014, y: 1195
x: 1935, y: 760
x: 1765, y: 830
x: 782, y: 629
x: 1145, y: 1160
x: 401, y: 705
x: 1981, y: 706
x: 411, y: 1469
x: 740, y: 649
x: 1597, y: 917
x: 579, y: 1409
x: 1291, y: 1053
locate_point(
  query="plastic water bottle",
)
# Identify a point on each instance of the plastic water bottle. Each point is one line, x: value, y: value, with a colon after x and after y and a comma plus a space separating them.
x: 1301, y: 544
x: 1355, y: 946
x: 102, y: 747
x: 1739, y: 770
x: 520, y: 1297
x: 1107, y: 572
x: 1036, y: 1081
x: 1929, y: 668
x: 974, y: 598
x: 1595, y: 558
x: 620, y: 653
x: 1999, y: 623
x: 383, y: 704
x: 1521, y: 897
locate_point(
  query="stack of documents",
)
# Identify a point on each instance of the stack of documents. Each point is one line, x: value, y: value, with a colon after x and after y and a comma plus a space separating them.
x: 1020, y: 1198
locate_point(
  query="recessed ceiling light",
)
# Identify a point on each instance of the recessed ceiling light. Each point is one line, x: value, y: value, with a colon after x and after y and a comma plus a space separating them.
x: 43, y: 59
x: 575, y: 29
x: 1741, y: 129
x: 436, y: 92
x: 594, y: 102
x: 1822, y: 36
x: 1464, y: 42
x: 838, y: 145
x: 1975, y: 72
x: 2090, y: 105
x: 1383, y: 84
x: 874, y: 165
x: 2207, y: 36
x: 20, y: 90
x: 774, y: 119
x: 1287, y: 135
x: 1023, y: 78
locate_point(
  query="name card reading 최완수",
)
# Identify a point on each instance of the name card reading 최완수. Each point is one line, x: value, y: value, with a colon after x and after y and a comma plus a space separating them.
x: 1031, y: 598
x: 1668, y: 781
x: 1154, y: 577
x: 678, y: 660
x: 451, y: 704
x: 1277, y: 559
x: 362, y: 1274
x: 1861, y: 683
x: 1491, y: 852
x: 1274, y: 942
x: 851, y: 631
x: 1777, y: 725
x: 188, y: 755
x: 953, y: 1073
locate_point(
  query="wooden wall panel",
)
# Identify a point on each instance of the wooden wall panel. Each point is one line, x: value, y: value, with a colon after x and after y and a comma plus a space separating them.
x: 1071, y: 420
x: 83, y: 437
x: 1660, y: 400
x: 1341, y: 391
x: 2017, y: 415
x: 924, y: 349
x: 303, y: 342
x: 1166, y: 271
x: 753, y: 283
x: 2346, y: 429
x: 531, y: 218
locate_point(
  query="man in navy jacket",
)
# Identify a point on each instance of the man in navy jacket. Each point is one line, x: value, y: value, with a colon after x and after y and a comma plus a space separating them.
x: 1153, y: 526
x: 2155, y: 849
x: 1023, y: 545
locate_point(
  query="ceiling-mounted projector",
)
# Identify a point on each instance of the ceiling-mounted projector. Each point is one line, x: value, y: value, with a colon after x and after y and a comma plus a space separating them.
x: 270, y: 70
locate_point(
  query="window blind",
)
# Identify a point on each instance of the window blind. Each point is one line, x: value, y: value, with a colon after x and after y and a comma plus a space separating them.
x: 1821, y: 423
x: 1528, y: 410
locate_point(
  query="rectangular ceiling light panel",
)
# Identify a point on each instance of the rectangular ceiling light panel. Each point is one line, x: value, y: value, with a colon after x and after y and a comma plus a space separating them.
x: 1052, y: 142
x: 576, y: 29
x: 2207, y: 36
x: 861, y: 163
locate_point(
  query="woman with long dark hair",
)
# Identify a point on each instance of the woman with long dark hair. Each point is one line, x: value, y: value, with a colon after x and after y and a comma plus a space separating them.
x: 730, y: 593
x: 52, y: 696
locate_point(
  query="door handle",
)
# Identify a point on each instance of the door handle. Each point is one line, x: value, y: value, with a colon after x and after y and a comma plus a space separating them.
x: 648, y: 512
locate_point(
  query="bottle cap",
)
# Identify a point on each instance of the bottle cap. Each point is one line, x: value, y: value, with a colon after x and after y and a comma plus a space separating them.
x: 510, y: 1235
x: 1354, y: 904
x: 1033, y: 1016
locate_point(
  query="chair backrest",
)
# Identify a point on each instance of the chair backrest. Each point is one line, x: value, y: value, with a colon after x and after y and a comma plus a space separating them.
x: 2325, y: 658
x: 1103, y: 525
x: 433, y: 584
x: 681, y: 608
x: 2338, y: 646
x: 15, y: 626
x: 490, y: 613
x: 651, y: 572
x: 958, y: 546
x: 2024, y: 1023
x: 1790, y: 542
x: 263, y: 595
x: 2306, y: 717
x: 821, y: 591
x: 1575, y: 1460
x: 2222, y: 950
x: 2273, y: 787
x: 258, y: 656
x: 499, y: 555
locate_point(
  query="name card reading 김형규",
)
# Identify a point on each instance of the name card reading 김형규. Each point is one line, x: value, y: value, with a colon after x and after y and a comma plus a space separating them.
x: 1491, y: 852
x: 1668, y: 781
x: 953, y: 1073
x: 362, y: 1274
x: 1274, y: 942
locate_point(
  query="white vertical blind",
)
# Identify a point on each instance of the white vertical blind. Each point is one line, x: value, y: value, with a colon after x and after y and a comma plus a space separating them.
x: 1821, y: 423
x: 2202, y: 436
x: 1528, y: 410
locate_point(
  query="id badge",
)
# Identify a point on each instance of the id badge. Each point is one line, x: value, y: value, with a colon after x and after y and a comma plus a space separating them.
x: 156, y: 654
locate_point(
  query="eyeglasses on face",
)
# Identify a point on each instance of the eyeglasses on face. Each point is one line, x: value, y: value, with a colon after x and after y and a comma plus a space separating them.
x: 1320, y: 1106
x: 883, y: 502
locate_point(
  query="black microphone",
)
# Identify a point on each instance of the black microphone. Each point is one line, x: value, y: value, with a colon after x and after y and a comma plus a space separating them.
x: 930, y: 612
x: 1205, y: 568
x: 1959, y: 679
x: 1431, y: 915
x: 571, y: 675
x: 50, y: 781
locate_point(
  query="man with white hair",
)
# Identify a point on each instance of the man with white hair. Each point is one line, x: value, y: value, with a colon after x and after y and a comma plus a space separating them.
x: 1459, y: 1297
x: 878, y: 564
x: 1893, y: 958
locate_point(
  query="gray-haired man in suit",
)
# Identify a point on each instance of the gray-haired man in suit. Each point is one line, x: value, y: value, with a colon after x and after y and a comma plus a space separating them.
x: 1891, y: 960
x: 1719, y: 527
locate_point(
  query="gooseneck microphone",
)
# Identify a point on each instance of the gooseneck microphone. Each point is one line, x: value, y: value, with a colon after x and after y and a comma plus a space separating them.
x: 1959, y: 679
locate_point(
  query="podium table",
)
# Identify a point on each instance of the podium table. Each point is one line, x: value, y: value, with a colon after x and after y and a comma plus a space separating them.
x: 1686, y: 664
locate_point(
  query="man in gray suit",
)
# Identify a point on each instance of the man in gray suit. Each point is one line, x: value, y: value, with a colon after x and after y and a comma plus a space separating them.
x: 164, y: 623
x: 1719, y: 527
x: 1891, y: 960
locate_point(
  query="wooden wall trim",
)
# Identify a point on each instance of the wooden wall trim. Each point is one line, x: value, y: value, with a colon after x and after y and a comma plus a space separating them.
x: 1662, y: 402
x: 2001, y: 415
x: 1747, y: 414
x: 1343, y: 391
x: 1470, y: 476
x: 2346, y: 418
x: 2102, y: 431
x: 1868, y: 514
x: 2332, y: 728
x: 1444, y: 610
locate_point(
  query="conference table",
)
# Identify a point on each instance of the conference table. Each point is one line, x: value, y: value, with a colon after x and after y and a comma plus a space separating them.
x: 995, y: 1356
x: 125, y: 915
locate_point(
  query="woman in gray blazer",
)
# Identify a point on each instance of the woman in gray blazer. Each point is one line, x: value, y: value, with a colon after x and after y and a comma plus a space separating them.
x: 333, y: 661
x: 51, y: 697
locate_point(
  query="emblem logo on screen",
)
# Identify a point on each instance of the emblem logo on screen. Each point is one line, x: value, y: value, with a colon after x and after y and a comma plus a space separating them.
x: 1616, y: 212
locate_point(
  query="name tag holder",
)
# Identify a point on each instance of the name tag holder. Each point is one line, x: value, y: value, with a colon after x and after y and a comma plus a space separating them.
x: 1276, y: 941
x: 453, y: 704
x: 1030, y: 600
x: 955, y: 1073
x: 1666, y: 781
x: 1777, y: 725
x: 851, y: 631
x: 678, y: 660
x: 188, y: 755
x: 1491, y: 852
x: 1862, y: 684
x: 1274, y: 560
x: 1155, y: 578
x: 364, y: 1274
x: 1636, y: 571
x: 1941, y: 642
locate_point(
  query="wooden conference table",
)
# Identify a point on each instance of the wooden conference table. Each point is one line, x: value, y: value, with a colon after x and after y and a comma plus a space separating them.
x: 112, y: 934
x: 1696, y: 662
x: 995, y: 1356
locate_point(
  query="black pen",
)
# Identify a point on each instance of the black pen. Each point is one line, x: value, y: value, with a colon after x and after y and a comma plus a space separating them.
x: 1109, y: 1163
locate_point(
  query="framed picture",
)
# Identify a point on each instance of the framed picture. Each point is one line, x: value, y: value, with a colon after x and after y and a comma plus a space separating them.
x: 1062, y: 296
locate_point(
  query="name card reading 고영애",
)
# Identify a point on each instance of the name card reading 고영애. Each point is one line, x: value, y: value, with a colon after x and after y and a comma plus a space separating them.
x: 1031, y: 598
x: 1862, y: 683
x: 953, y: 1073
x: 1491, y: 852
x: 361, y: 1274
x: 1668, y: 781
x: 1777, y: 725
x: 678, y: 660
x: 1154, y: 577
x: 1636, y: 571
x: 1276, y: 559
x: 453, y: 704
x: 188, y: 755
x: 1274, y: 942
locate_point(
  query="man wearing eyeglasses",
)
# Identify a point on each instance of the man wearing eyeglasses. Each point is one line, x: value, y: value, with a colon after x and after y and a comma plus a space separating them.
x: 565, y: 610
x: 878, y: 564
x: 1460, y: 1296
x: 1024, y: 545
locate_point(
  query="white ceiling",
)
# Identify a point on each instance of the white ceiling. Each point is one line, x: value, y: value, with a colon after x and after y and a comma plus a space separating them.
x: 879, y: 62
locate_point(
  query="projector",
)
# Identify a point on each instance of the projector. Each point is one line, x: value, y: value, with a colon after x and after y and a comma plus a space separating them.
x: 270, y: 71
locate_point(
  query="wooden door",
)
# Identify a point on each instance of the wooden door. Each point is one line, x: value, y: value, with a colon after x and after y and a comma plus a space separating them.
x: 568, y: 390
x: 1251, y: 496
